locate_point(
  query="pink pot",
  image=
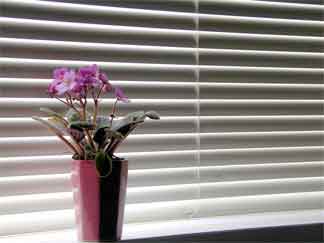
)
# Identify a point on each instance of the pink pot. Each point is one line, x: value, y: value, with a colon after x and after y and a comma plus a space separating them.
x: 99, y: 201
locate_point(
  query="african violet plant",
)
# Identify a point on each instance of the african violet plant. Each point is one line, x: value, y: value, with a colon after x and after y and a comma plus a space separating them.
x: 92, y: 136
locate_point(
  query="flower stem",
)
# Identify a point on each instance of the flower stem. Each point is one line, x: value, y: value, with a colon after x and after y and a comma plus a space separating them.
x: 95, y: 112
x: 113, y: 111
x: 69, y: 144
x: 84, y: 118
x: 99, y: 93
x: 64, y: 102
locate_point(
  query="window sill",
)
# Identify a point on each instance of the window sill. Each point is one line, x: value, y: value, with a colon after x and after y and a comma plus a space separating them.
x: 195, y: 226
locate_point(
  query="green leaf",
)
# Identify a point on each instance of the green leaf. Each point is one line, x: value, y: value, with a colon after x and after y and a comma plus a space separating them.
x: 50, y: 112
x: 131, y: 118
x: 72, y: 115
x: 51, y: 126
x: 127, y: 124
x: 76, y: 134
x: 103, y: 164
x: 103, y: 121
x: 82, y: 125
x: 103, y: 134
x: 100, y: 137
x: 153, y: 115
x: 55, y: 117
x: 89, y: 152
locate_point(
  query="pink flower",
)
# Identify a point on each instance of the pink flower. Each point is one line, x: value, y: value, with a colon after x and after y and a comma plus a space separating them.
x: 119, y: 94
x: 103, y: 77
x: 76, y: 83
x: 64, y: 81
x: 88, y: 76
x: 107, y: 88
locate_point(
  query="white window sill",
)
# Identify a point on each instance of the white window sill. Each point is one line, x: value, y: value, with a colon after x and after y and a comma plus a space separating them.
x: 149, y: 230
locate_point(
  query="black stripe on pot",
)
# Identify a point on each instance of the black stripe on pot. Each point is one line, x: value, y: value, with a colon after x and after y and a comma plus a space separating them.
x: 112, y: 202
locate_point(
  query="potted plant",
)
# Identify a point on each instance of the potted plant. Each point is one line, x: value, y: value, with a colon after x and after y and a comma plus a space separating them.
x: 99, y: 177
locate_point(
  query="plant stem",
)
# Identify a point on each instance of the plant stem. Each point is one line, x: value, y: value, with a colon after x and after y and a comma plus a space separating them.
x: 112, y: 115
x: 99, y: 93
x: 96, y: 105
x: 81, y: 150
x: 64, y: 102
x: 95, y: 112
x: 84, y: 117
x: 69, y: 144
x: 90, y: 139
x: 114, y: 145
x: 68, y: 104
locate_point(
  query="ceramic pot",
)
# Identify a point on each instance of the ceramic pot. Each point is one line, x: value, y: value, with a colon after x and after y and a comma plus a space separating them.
x: 99, y: 201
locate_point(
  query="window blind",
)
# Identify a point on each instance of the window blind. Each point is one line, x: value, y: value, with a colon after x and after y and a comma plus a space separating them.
x: 238, y: 84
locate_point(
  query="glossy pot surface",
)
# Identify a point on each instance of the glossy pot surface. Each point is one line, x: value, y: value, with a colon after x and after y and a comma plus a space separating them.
x: 99, y: 201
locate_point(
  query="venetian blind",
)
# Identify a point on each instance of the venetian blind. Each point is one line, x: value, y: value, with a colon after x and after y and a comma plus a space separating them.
x: 239, y: 86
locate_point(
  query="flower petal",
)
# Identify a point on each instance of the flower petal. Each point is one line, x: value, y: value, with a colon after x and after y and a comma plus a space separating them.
x: 119, y: 94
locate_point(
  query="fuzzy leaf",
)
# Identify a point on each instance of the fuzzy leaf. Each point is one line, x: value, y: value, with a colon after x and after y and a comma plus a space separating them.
x: 131, y: 118
x: 81, y: 125
x: 76, y: 134
x: 89, y: 153
x: 51, y: 126
x: 103, y: 164
x: 55, y: 117
x: 103, y: 121
x: 58, y: 131
x: 100, y: 137
x: 50, y: 112
x: 103, y: 134
x: 153, y: 115
x: 72, y: 115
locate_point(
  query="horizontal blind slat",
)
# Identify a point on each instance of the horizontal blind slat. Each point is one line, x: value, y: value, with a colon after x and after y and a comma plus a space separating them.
x: 36, y: 203
x: 22, y: 107
x: 11, y: 87
x: 51, y: 164
x: 165, y: 142
x: 243, y: 24
x: 217, y: 207
x: 39, y: 68
x: 226, y: 40
x: 167, y: 211
x: 154, y: 177
x: 74, y: 31
x: 260, y: 155
x: 135, y: 35
x: 223, y: 189
x: 10, y: 166
x: 26, y: 127
x: 36, y: 222
x: 35, y: 184
x: 64, y: 200
x: 262, y: 9
x: 250, y: 8
x: 31, y: 48
x: 173, y: 5
x: 260, y: 107
x: 261, y: 139
x: 174, y: 176
x: 219, y: 107
x: 47, y: 10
